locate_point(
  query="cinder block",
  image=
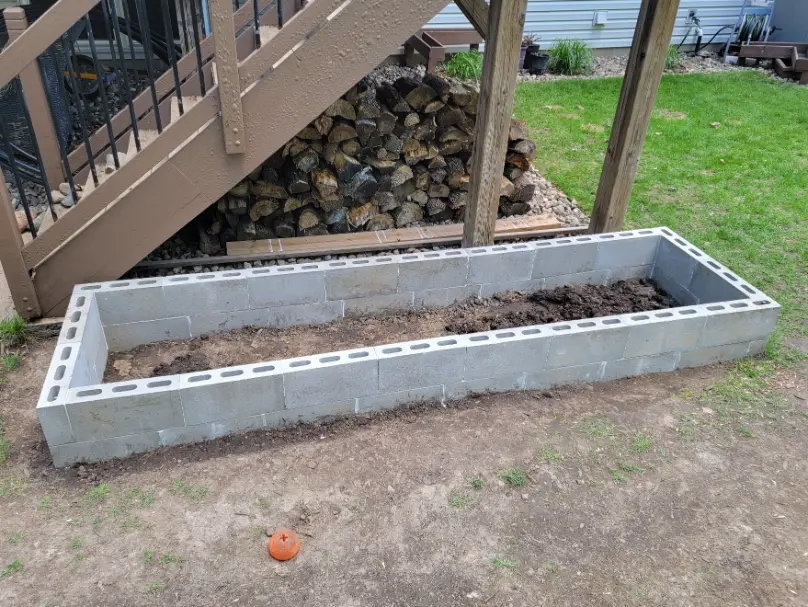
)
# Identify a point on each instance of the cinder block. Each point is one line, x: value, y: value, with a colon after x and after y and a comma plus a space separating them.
x: 674, y: 262
x: 564, y: 376
x: 739, y: 322
x: 710, y: 287
x: 439, y: 298
x: 417, y: 364
x: 360, y: 278
x: 308, y: 414
x: 679, y: 293
x: 193, y: 294
x: 68, y: 367
x: 55, y: 425
x: 565, y: 256
x: 596, y: 277
x: 757, y: 347
x: 286, y: 285
x: 379, y: 304
x: 715, y: 354
x: 630, y: 367
x: 587, y: 342
x: 624, y: 249
x: 664, y: 331
x: 231, y: 393
x: 133, y: 334
x: 437, y: 270
x: 209, y: 431
x: 522, y: 286
x: 305, y: 314
x: 501, y: 263
x: 333, y: 377
x: 506, y: 352
x: 486, y: 385
x: 217, y: 322
x: 89, y: 452
x: 126, y: 301
x: 123, y: 408
x: 391, y: 400
x: 631, y: 273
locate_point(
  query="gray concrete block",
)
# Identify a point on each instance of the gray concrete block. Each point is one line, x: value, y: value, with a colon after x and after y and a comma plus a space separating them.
x: 757, y: 347
x: 332, y: 377
x: 391, y: 400
x: 217, y: 322
x: 506, y: 352
x: 715, y: 354
x: 417, y: 364
x: 193, y: 294
x: 582, y: 343
x: 436, y: 270
x: 596, y: 277
x: 379, y: 304
x: 305, y: 314
x: 626, y: 249
x: 209, y: 431
x: 523, y: 286
x: 89, y: 452
x: 486, y: 385
x: 710, y: 287
x: 309, y: 414
x: 230, y: 393
x: 501, y: 263
x: 55, y: 425
x: 127, y: 301
x: 738, y: 322
x: 631, y: 273
x: 131, y: 335
x: 285, y: 285
x: 664, y: 331
x: 123, y: 408
x: 676, y: 264
x: 680, y: 293
x: 564, y: 376
x: 68, y: 366
x: 439, y: 298
x: 631, y: 367
x: 360, y: 278
x: 565, y: 256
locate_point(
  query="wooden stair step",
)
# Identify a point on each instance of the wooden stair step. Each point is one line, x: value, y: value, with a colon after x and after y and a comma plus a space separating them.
x: 267, y: 33
x: 188, y: 102
x: 146, y: 136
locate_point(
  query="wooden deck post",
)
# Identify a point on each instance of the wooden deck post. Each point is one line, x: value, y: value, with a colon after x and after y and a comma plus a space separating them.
x: 19, y: 280
x: 646, y: 61
x: 506, y: 20
x: 224, y: 44
x: 34, y: 91
x: 476, y: 11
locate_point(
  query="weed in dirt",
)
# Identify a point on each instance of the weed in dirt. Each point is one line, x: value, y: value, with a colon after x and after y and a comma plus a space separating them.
x: 688, y: 426
x: 44, y: 505
x: 148, y: 557
x: 11, y: 362
x: 550, y: 454
x: 630, y: 467
x: 746, y: 392
x: 502, y: 563
x: 465, y: 66
x: 99, y: 493
x: 745, y: 431
x: 12, y: 568
x: 75, y: 543
x: 600, y: 427
x: 457, y: 499
x: 194, y: 493
x: 553, y: 568
x: 154, y: 587
x: 4, y: 448
x: 170, y: 559
x: 641, y: 443
x: 477, y: 483
x: 16, y: 537
x: 80, y: 556
x: 617, y: 475
x: 263, y: 502
x: 139, y: 497
x: 515, y: 477
x: 13, y: 330
x: 132, y: 523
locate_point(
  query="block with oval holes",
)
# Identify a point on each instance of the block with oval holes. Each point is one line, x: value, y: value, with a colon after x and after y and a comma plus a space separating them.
x: 286, y: 285
x: 626, y: 249
x: 506, y: 352
x: 361, y: 277
x: 126, y: 301
x: 436, y: 270
x: 665, y: 331
x: 331, y: 377
x: 501, y: 263
x: 588, y: 341
x: 418, y: 364
x: 191, y: 294
x: 565, y: 256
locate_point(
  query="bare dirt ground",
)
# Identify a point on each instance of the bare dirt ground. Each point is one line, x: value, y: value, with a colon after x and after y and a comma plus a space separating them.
x: 503, y: 311
x: 680, y: 489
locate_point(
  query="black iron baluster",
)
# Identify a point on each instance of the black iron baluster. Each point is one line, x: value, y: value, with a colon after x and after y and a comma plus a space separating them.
x: 73, y: 70
x: 197, y: 48
x: 127, y: 18
x: 103, y: 87
x: 256, y: 25
x: 132, y: 116
x: 17, y: 178
x: 143, y: 24
x: 37, y: 154
x: 280, y: 13
x: 172, y: 53
x: 186, y: 44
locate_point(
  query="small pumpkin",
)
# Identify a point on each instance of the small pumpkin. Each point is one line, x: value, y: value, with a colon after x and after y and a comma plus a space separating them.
x: 283, y: 544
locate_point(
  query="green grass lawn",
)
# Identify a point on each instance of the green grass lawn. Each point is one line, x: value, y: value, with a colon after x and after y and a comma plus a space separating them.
x: 725, y: 164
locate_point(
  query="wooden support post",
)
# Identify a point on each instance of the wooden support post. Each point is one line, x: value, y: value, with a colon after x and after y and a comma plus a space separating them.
x: 34, y: 91
x: 224, y: 44
x: 644, y: 71
x: 19, y: 281
x: 476, y: 11
x: 507, y: 18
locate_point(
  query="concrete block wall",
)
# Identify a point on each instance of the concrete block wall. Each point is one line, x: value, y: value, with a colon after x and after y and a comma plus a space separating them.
x: 84, y: 420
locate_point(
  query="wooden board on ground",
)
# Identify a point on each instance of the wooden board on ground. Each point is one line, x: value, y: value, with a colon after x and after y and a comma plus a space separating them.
x: 398, y: 238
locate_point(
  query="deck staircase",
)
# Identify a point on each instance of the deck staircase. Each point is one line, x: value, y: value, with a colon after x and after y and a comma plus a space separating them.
x: 292, y: 77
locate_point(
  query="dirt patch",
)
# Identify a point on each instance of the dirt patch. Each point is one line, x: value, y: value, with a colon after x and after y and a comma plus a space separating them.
x: 503, y: 311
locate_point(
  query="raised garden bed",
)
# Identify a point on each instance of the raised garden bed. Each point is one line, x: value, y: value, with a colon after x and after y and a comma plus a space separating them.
x: 719, y: 317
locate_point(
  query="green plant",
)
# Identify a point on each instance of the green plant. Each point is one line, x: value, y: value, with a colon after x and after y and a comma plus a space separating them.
x: 16, y: 537
x: 458, y: 500
x: 11, y: 362
x: 530, y: 39
x: 12, y: 330
x: 45, y: 504
x: 745, y: 431
x: 192, y: 492
x: 503, y: 563
x: 641, y: 443
x: 515, y: 477
x: 76, y: 543
x: 12, y: 568
x: 674, y: 59
x: 465, y: 66
x: 99, y: 493
x: 168, y: 558
x: 572, y: 57
x: 148, y: 557
x: 477, y: 483
x: 3, y: 443
x: 550, y: 454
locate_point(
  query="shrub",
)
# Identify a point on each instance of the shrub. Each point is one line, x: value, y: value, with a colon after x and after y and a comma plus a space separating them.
x: 466, y: 66
x: 674, y: 59
x: 570, y: 57
x: 12, y: 330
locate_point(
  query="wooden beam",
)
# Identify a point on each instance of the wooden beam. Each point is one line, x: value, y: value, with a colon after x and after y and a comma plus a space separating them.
x: 493, y: 120
x: 19, y: 280
x: 224, y: 43
x: 644, y: 71
x: 476, y: 11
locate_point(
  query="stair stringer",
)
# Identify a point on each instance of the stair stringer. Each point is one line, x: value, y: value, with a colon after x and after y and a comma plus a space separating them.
x: 298, y: 87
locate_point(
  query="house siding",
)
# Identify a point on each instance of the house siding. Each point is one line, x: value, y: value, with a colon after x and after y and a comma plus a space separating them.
x: 558, y: 19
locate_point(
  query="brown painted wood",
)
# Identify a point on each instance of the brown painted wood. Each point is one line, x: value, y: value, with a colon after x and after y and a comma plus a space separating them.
x: 477, y: 12
x: 780, y: 50
x: 493, y: 119
x: 23, y: 293
x: 455, y: 37
x: 224, y: 43
x: 154, y: 210
x: 643, y: 73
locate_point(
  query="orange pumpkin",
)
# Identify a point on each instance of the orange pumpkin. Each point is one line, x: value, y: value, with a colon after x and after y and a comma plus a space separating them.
x: 284, y: 544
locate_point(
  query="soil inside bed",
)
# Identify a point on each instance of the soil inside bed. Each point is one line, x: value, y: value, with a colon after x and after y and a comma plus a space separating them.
x: 502, y: 311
